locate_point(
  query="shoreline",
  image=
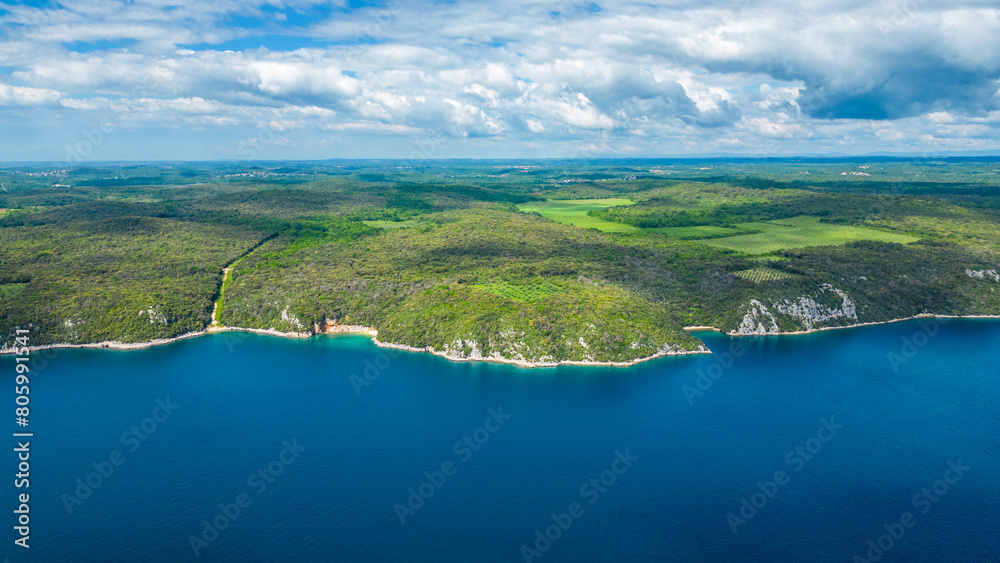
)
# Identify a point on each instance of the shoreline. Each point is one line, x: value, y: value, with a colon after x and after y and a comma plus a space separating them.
x: 348, y: 330
x: 373, y: 333
x: 530, y: 364
x: 856, y: 325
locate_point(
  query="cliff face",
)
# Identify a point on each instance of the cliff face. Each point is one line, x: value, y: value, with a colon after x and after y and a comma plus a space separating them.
x: 807, y: 312
x: 758, y: 320
x: 810, y: 313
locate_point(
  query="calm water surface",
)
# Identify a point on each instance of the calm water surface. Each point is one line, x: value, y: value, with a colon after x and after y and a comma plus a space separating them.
x: 828, y: 438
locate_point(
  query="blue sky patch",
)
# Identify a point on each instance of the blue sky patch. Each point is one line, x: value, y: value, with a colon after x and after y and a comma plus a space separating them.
x: 362, y: 78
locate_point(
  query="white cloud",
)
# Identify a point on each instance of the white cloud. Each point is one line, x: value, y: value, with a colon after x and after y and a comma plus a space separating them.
x: 633, y: 77
x: 22, y: 96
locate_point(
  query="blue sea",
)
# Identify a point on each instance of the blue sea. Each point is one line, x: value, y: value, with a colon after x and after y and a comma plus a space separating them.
x: 879, y: 443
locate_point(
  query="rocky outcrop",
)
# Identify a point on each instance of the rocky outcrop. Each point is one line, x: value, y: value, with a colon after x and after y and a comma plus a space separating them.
x: 154, y: 314
x: 469, y: 350
x: 810, y: 313
x: 331, y: 326
x: 806, y: 310
x: 758, y: 320
x: 983, y: 274
x: 507, y: 348
x: 291, y: 319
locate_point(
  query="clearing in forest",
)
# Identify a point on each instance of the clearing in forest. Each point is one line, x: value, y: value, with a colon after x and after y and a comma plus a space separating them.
x: 574, y: 212
x: 801, y: 232
x: 11, y: 289
x: 390, y: 225
x: 526, y: 292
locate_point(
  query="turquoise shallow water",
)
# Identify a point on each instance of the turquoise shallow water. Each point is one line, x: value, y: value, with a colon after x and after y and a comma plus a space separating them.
x: 672, y: 468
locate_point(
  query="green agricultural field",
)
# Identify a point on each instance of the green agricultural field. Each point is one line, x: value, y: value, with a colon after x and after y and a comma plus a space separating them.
x: 23, y: 210
x: 227, y: 279
x: 772, y: 258
x: 132, y: 254
x: 11, y: 289
x: 801, y: 232
x: 704, y: 231
x: 574, y: 212
x: 526, y: 292
x: 390, y: 225
x: 762, y: 274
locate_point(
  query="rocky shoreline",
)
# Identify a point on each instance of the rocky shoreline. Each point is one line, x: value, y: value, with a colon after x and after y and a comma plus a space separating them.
x: 530, y: 364
x: 368, y: 331
x: 350, y: 329
x: 116, y: 345
x: 839, y: 327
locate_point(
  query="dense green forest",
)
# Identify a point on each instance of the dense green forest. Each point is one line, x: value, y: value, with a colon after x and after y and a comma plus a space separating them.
x: 468, y: 258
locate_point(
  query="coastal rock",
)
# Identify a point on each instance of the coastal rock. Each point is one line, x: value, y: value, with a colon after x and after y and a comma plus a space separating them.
x: 455, y: 351
x: 808, y: 310
x: 758, y: 320
x: 810, y: 313
x: 507, y: 350
x: 469, y: 349
x: 673, y: 350
x: 508, y: 346
x: 983, y: 274
x: 331, y: 326
x: 291, y: 319
x: 154, y: 314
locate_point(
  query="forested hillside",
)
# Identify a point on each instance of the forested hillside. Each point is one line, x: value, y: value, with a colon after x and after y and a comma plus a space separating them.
x: 468, y: 258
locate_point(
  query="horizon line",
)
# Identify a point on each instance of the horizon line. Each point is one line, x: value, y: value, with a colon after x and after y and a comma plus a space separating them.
x: 706, y: 156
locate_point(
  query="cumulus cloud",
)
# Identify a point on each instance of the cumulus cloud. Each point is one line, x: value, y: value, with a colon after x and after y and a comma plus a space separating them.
x: 21, y: 96
x: 522, y: 77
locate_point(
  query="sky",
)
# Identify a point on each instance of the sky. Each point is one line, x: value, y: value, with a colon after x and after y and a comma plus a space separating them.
x: 99, y: 80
